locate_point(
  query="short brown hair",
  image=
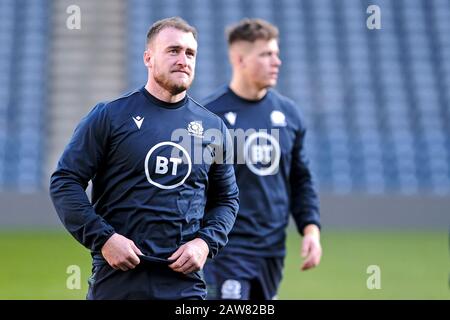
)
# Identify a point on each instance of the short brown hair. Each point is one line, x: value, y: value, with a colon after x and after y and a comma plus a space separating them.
x: 172, y: 22
x: 251, y: 30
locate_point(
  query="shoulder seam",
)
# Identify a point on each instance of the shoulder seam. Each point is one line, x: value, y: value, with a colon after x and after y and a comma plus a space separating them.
x: 198, y: 104
x: 124, y: 96
x: 215, y: 97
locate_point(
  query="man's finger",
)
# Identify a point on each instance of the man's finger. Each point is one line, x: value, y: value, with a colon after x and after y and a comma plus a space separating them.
x: 177, y: 253
x: 177, y: 265
x: 191, y: 269
x: 179, y: 262
x: 133, y: 258
x: 312, y: 260
x: 305, y: 267
x: 185, y: 267
x: 305, y: 248
x: 136, y: 249
x: 308, y: 264
x: 128, y: 265
x: 122, y: 266
x: 115, y: 267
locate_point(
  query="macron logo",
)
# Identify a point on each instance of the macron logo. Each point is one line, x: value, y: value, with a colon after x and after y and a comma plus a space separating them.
x: 138, y: 120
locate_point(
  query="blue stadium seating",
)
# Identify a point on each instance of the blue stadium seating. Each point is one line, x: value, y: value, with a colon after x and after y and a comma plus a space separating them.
x: 377, y: 102
x: 23, y: 50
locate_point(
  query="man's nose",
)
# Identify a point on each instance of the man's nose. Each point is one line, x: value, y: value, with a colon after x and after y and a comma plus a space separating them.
x: 277, y: 61
x: 182, y: 59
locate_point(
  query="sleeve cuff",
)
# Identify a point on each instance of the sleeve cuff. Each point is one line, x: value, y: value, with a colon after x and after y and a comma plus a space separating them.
x: 212, y: 251
x: 302, y: 226
x: 102, y: 240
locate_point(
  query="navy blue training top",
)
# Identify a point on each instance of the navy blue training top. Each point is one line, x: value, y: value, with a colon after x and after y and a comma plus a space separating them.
x: 148, y: 185
x: 271, y: 170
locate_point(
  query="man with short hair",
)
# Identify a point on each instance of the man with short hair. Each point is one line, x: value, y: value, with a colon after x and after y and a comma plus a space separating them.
x: 271, y: 170
x: 148, y: 230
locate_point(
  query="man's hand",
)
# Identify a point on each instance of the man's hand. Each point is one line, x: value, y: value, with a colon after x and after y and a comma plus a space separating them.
x: 121, y: 253
x: 311, y: 248
x: 190, y: 257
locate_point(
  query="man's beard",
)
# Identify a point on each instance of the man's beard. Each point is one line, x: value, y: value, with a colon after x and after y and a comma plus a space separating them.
x: 170, y: 86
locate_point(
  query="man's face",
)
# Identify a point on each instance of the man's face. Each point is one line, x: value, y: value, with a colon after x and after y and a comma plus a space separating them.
x: 171, y: 59
x: 261, y: 63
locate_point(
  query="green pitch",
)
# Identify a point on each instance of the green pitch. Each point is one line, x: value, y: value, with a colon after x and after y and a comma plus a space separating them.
x: 412, y: 265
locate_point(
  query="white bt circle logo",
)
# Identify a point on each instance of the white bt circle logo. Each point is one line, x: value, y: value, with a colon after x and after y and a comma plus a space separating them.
x: 167, y: 165
x: 262, y: 154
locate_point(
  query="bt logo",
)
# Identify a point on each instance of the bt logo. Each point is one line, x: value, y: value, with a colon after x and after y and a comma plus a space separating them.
x: 162, y: 165
x: 167, y: 165
x: 262, y: 153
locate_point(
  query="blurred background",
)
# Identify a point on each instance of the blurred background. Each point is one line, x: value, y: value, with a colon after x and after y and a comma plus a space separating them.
x: 376, y: 103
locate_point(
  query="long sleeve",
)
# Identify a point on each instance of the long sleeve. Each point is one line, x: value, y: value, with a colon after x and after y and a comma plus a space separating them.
x: 304, y: 198
x: 78, y: 164
x: 222, y: 199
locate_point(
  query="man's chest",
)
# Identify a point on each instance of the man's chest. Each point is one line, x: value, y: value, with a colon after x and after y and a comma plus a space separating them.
x: 165, y: 150
x: 262, y: 138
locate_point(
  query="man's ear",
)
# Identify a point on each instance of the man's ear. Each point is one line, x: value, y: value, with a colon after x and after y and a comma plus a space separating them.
x: 147, y: 57
x: 240, y: 60
x: 236, y: 58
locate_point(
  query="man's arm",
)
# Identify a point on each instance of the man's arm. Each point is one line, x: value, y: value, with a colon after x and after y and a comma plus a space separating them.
x: 78, y: 164
x: 220, y: 212
x: 305, y: 203
x: 222, y: 199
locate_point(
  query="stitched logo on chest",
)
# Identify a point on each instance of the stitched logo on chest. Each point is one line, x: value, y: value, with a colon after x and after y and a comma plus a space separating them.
x: 138, y: 120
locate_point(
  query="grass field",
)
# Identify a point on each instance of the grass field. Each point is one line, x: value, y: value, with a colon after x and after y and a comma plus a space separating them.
x: 414, y: 265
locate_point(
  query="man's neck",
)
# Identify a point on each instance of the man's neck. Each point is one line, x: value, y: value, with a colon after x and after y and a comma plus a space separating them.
x: 247, y: 90
x: 158, y: 92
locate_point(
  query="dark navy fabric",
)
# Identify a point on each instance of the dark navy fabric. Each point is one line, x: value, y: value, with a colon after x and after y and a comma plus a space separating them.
x: 125, y: 146
x: 266, y: 197
x: 150, y: 259
x: 252, y: 278
x: 148, y: 281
